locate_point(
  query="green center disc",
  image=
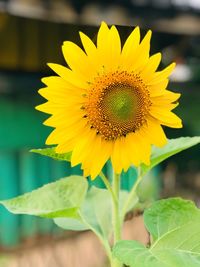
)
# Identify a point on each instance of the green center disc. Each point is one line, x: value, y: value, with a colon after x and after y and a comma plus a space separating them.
x: 120, y: 104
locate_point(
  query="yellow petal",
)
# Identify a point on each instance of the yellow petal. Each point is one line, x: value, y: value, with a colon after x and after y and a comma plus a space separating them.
x: 69, y: 75
x: 155, y: 133
x: 158, y: 88
x: 86, y: 172
x: 151, y: 66
x: 102, y: 36
x: 65, y: 132
x: 109, y: 51
x: 99, y: 156
x: 83, y: 146
x: 163, y: 104
x: 49, y: 108
x: 67, y: 146
x: 88, y: 45
x: 132, y: 150
x: 167, y: 118
x: 61, y: 96
x: 169, y: 95
x: 55, y: 81
x: 77, y: 60
x: 125, y: 151
x: 63, y: 118
x: 113, y: 50
x: 68, y: 141
x: 161, y: 75
x: 139, y: 147
x: 142, y: 53
x: 178, y: 124
x: 119, y: 158
x: 91, y: 51
x: 130, y: 47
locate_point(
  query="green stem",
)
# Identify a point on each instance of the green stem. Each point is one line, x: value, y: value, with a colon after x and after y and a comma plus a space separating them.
x: 117, y: 224
x: 116, y: 214
x: 108, y: 186
x: 114, y: 192
x: 132, y: 194
x: 116, y: 218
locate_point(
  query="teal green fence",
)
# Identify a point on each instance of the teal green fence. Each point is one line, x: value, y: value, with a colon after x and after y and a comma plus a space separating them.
x: 22, y: 172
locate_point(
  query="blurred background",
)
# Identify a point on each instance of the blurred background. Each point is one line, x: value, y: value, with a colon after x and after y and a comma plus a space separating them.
x: 31, y: 34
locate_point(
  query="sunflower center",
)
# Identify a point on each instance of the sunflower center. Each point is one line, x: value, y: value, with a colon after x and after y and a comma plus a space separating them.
x: 117, y: 105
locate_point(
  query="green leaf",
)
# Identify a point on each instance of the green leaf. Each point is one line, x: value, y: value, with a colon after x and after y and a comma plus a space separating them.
x: 50, y: 152
x: 95, y: 213
x: 75, y: 224
x: 134, y: 254
x: 59, y: 199
x: 173, y: 147
x: 96, y: 210
x: 177, y: 237
x: 167, y: 214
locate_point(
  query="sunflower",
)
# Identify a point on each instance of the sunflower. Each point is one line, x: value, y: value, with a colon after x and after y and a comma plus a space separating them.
x: 110, y: 102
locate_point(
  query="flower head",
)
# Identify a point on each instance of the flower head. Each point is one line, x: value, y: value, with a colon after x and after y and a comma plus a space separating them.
x: 110, y: 102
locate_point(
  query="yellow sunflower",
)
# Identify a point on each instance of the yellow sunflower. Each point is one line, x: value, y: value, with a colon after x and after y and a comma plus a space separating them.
x: 110, y: 102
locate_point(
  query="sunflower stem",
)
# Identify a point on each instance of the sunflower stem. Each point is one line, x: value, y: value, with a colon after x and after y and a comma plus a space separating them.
x: 108, y: 186
x: 116, y: 219
x: 114, y: 192
x: 117, y: 225
x: 132, y: 194
x: 116, y: 215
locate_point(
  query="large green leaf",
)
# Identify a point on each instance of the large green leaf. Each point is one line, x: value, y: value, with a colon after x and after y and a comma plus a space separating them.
x: 176, y: 244
x: 59, y: 199
x: 134, y: 254
x: 173, y: 147
x: 167, y: 214
x: 50, y: 152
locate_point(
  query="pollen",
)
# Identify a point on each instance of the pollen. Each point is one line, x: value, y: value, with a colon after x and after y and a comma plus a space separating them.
x: 117, y: 104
